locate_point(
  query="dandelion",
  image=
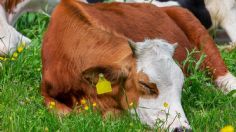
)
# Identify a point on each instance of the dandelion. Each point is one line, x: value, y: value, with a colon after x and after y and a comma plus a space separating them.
x: 86, y: 107
x: 13, y: 59
x: 2, y: 59
x: 83, y: 101
x: 46, y: 129
x: 94, y: 104
x: 227, y: 129
x: 52, y: 105
x: 15, y: 55
x: 131, y: 104
x: 166, y: 104
x: 20, y: 49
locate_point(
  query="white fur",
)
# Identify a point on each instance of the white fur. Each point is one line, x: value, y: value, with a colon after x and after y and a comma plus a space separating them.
x: 164, y: 4
x: 154, y: 58
x: 223, y: 13
x: 10, y: 38
x: 157, y: 3
x: 226, y: 83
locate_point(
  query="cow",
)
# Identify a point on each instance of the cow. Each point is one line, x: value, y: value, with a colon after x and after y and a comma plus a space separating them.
x: 131, y: 45
x: 212, y: 13
x: 10, y: 10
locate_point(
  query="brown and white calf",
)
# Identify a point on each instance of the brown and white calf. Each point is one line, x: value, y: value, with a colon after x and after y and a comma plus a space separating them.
x: 132, y: 45
x: 10, y: 10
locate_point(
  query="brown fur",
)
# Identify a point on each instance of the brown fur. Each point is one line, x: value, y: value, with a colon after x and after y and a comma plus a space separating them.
x: 9, y: 5
x: 84, y: 40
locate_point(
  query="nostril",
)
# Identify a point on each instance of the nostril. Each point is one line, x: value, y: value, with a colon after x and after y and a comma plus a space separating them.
x: 181, y: 129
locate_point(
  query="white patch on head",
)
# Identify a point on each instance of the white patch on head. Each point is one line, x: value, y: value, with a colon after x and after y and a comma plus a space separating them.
x: 154, y: 58
x: 226, y: 83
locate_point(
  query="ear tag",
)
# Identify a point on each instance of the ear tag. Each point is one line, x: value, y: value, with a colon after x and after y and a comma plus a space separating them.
x: 103, y: 86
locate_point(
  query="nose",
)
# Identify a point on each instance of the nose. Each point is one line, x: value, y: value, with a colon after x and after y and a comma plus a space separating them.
x: 181, y: 129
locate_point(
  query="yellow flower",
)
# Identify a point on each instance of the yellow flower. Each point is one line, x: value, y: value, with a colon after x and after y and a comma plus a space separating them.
x: 15, y: 55
x: 86, y: 107
x: 83, y: 101
x: 227, y: 129
x: 131, y: 104
x: 46, y: 129
x: 2, y: 59
x: 94, y: 104
x: 52, y: 105
x: 166, y: 104
x: 20, y: 49
x: 13, y: 59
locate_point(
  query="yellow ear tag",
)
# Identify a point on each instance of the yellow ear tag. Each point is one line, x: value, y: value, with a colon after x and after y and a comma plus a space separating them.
x: 103, y: 86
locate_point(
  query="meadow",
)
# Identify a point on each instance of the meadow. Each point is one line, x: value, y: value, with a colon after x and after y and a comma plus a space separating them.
x: 22, y: 108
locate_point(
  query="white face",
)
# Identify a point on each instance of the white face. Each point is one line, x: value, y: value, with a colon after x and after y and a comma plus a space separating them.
x: 154, y: 58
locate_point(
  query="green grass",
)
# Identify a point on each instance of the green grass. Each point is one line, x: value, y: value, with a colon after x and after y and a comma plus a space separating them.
x: 22, y: 109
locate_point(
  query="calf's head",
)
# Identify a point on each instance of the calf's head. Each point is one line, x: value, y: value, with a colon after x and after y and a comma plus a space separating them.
x: 153, y: 80
x: 154, y: 59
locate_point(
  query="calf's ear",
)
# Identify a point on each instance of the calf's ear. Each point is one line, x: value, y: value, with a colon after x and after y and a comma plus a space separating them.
x: 132, y: 45
x: 111, y: 73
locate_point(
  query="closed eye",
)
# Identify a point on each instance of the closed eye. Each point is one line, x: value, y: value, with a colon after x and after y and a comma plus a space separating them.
x: 150, y: 88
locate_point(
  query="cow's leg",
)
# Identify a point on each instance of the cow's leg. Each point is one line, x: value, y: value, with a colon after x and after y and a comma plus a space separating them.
x: 46, y: 6
x: 229, y: 24
x: 223, y: 13
x: 201, y: 39
x: 52, y: 103
x: 9, y: 37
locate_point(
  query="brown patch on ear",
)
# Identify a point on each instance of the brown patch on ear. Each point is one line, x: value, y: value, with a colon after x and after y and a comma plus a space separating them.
x: 147, y: 89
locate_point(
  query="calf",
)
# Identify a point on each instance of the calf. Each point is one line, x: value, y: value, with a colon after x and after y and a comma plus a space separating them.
x: 10, y: 10
x: 84, y: 40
